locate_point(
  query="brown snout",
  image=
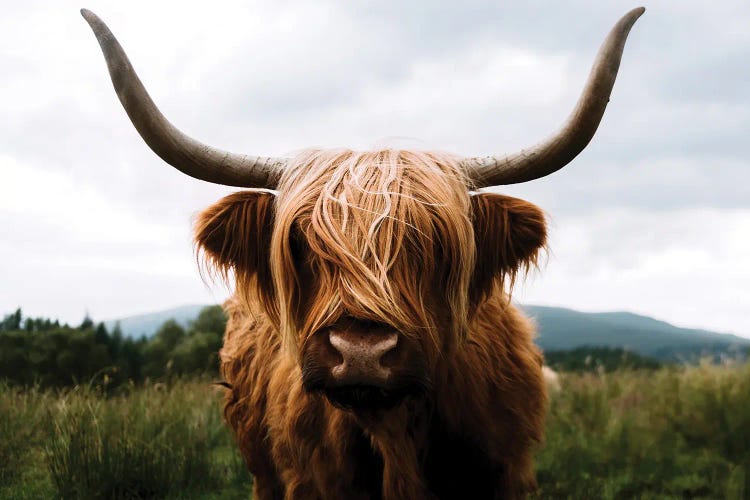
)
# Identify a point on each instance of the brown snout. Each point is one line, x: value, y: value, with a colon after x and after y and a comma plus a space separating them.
x: 362, y: 356
x: 363, y: 365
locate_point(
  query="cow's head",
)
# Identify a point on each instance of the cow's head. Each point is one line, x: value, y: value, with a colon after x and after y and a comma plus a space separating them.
x: 369, y: 264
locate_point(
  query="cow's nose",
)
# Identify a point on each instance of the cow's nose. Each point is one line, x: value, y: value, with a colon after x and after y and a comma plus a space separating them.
x: 362, y: 356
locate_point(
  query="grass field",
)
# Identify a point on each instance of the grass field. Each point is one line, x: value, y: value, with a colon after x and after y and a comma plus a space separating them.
x: 671, y: 433
x: 159, y: 441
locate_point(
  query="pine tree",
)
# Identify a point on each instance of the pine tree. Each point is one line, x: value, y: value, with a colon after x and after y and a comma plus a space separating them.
x: 100, y: 334
x: 87, y: 322
x: 12, y: 321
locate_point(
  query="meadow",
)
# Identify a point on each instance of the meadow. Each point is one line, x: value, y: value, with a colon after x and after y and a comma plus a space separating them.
x: 676, y: 432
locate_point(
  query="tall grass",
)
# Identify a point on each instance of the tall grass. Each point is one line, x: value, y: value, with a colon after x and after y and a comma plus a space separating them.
x: 150, y: 442
x: 22, y: 428
x: 145, y: 444
x: 674, y: 433
x: 670, y: 433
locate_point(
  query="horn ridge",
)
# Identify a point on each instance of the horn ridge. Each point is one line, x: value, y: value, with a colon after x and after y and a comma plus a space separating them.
x: 562, y: 147
x: 167, y: 141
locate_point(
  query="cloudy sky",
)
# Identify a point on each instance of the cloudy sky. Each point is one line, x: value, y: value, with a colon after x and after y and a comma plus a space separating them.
x: 654, y: 217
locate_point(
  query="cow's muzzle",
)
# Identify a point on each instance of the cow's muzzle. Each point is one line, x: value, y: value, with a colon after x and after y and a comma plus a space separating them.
x: 362, y: 367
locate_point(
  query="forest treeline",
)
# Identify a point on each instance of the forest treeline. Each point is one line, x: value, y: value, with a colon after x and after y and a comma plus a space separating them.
x: 39, y: 351
x: 46, y: 353
x: 599, y: 359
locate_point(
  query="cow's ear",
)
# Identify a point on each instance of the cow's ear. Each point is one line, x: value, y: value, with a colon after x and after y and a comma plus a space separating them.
x: 509, y: 234
x: 235, y: 234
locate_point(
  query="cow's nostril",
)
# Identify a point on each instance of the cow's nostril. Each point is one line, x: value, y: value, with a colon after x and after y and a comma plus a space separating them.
x: 390, y: 358
x: 363, y: 355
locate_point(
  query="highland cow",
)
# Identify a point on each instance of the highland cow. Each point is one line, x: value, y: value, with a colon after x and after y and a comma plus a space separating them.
x: 372, y: 350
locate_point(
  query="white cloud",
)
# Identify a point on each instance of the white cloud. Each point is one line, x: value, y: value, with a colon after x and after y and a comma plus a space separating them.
x: 693, y: 266
x: 58, y: 200
x: 68, y: 248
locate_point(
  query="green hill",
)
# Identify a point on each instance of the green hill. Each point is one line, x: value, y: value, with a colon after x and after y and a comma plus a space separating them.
x: 562, y: 329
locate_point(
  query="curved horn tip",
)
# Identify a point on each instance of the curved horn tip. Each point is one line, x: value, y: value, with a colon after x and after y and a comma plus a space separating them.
x: 88, y: 15
x: 95, y: 22
x: 632, y: 16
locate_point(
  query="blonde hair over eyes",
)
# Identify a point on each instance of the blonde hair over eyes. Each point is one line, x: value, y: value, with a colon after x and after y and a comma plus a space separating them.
x: 388, y: 236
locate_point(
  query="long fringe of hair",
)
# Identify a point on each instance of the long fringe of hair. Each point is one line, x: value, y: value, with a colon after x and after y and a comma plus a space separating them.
x: 384, y: 232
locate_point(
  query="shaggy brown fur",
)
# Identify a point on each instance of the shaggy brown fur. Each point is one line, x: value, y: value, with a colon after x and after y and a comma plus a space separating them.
x: 394, y: 237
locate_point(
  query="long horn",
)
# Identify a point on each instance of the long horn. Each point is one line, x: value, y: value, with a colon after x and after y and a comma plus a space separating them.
x: 182, y: 152
x: 560, y: 149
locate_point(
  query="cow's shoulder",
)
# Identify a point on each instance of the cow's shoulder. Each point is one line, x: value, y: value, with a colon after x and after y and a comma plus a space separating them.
x: 247, y: 365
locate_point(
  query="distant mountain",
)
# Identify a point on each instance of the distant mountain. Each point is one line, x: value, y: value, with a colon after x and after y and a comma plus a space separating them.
x: 148, y: 324
x: 559, y: 329
x: 562, y: 329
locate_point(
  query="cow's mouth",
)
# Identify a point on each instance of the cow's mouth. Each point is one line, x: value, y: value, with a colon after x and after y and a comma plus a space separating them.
x: 364, y: 398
